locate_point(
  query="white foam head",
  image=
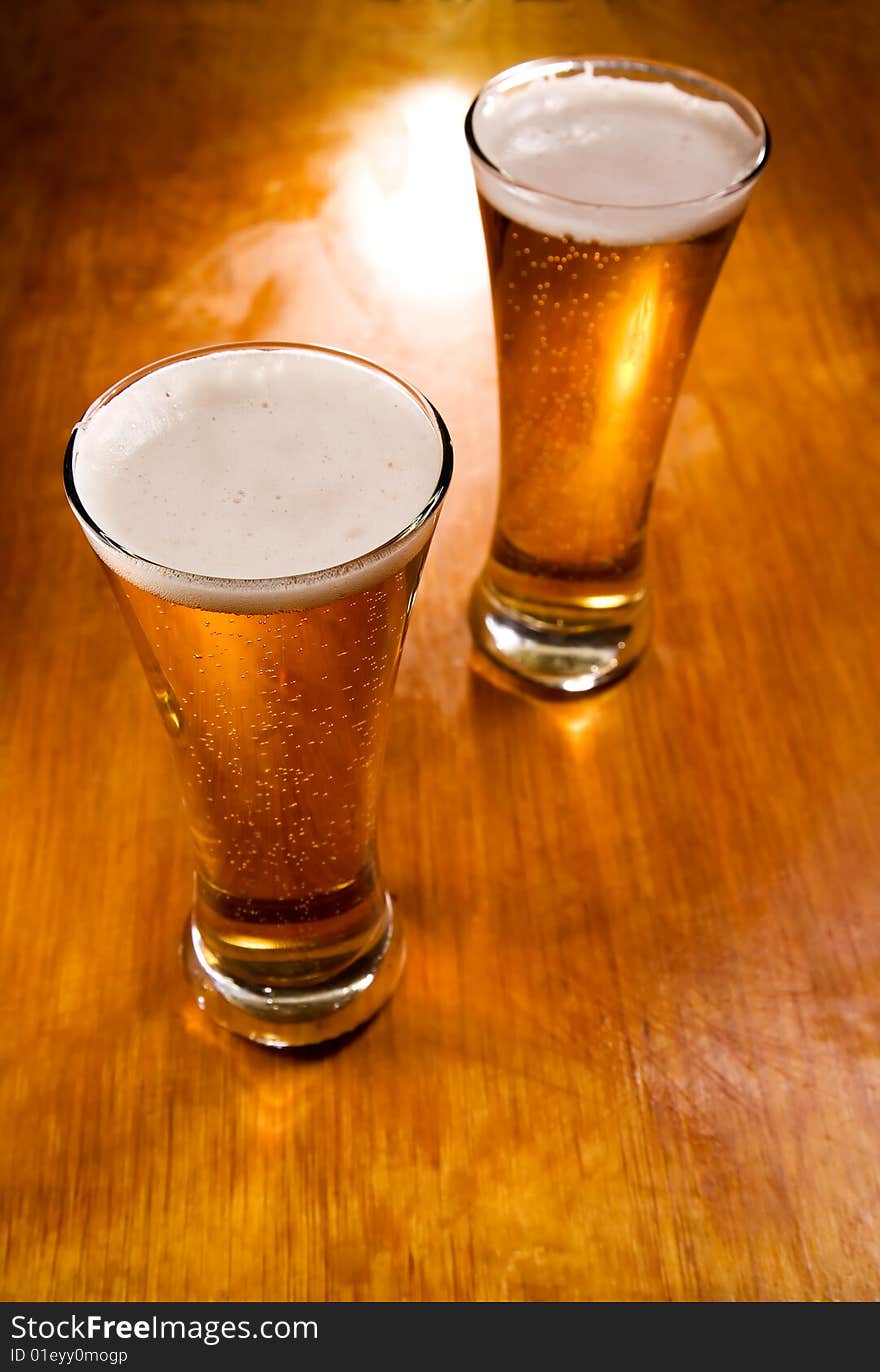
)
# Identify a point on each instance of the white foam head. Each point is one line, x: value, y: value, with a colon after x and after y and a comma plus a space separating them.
x: 571, y: 151
x: 258, y: 478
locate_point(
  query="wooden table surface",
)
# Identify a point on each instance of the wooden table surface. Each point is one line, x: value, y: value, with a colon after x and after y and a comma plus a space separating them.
x: 636, y: 1050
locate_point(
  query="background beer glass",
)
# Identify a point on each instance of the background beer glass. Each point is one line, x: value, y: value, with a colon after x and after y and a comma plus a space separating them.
x: 610, y: 192
x: 263, y: 514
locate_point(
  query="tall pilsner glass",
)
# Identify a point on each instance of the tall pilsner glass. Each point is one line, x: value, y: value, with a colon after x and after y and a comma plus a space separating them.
x: 610, y: 191
x: 263, y: 513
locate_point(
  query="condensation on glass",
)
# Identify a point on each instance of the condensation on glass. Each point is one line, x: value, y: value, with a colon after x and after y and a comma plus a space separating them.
x: 610, y: 192
x: 274, y: 691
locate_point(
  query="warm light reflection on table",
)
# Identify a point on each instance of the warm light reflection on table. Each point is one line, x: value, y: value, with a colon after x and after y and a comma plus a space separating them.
x: 634, y: 1053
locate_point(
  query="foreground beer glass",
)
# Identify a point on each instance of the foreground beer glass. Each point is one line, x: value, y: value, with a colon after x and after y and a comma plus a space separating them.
x: 610, y: 192
x: 263, y: 514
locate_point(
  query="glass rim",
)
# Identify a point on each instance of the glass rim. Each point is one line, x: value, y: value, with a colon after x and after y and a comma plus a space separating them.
x: 524, y: 72
x: 294, y: 579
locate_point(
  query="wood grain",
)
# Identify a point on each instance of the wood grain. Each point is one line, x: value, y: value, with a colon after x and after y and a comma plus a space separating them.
x: 635, y: 1054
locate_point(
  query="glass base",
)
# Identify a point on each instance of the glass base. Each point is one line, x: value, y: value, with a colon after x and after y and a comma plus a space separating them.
x: 288, y: 1017
x: 568, y: 652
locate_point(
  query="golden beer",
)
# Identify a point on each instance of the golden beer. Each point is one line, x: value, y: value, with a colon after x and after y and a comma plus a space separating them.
x: 596, y: 309
x: 279, y: 724
x: 190, y: 480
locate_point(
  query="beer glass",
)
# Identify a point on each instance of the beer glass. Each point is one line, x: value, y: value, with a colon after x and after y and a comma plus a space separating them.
x: 263, y: 513
x: 610, y: 192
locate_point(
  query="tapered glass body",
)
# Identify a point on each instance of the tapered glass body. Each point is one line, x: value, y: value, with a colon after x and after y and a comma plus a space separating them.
x: 276, y: 699
x: 596, y: 308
